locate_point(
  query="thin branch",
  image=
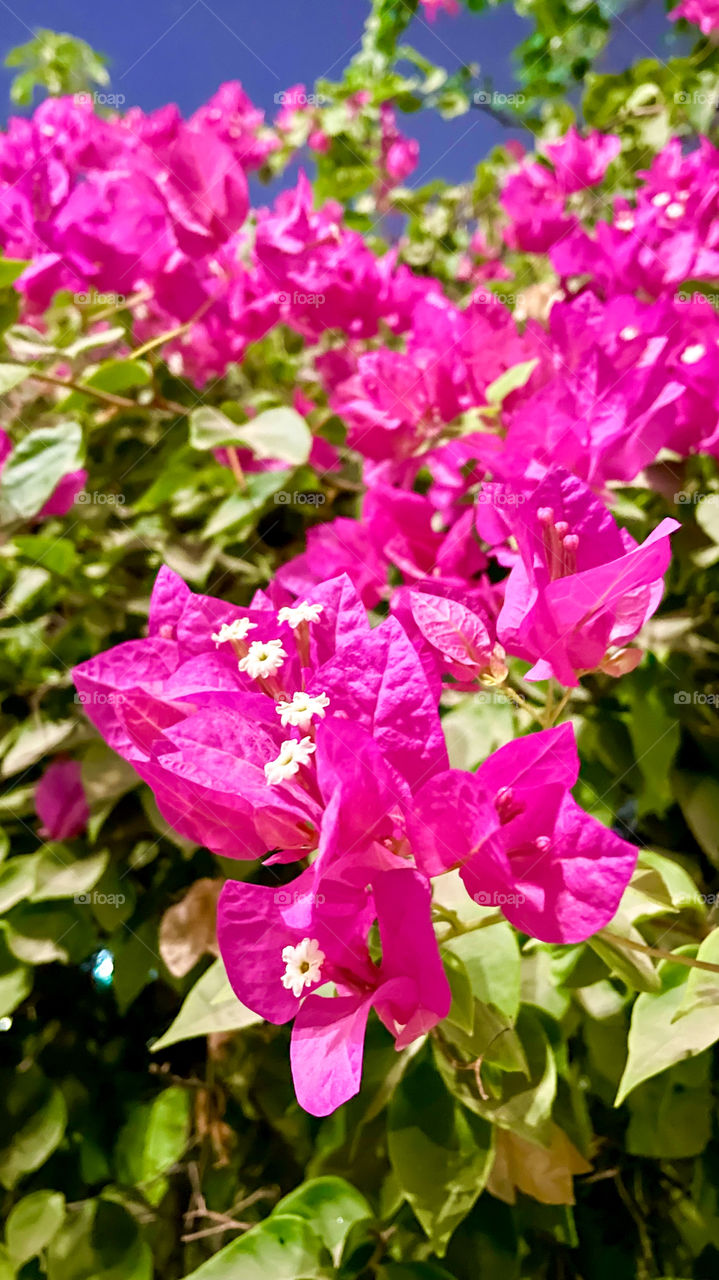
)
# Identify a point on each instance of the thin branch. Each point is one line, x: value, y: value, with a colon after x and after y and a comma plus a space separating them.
x: 660, y: 952
x: 68, y: 384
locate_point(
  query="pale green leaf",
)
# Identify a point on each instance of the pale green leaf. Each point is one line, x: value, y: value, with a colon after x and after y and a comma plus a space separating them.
x: 211, y: 1006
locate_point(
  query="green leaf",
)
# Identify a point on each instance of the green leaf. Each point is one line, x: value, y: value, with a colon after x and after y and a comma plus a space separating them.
x: 93, y: 341
x: 655, y: 733
x: 41, y: 934
x: 59, y: 874
x: 671, y: 1115
x: 17, y: 880
x: 35, y: 468
x: 116, y: 376
x: 210, y: 1006
x: 702, y: 989
x: 32, y: 1223
x: 331, y: 1205
x: 492, y: 961
x: 120, y: 375
x: 136, y: 961
x: 56, y: 554
x: 239, y: 510
x: 153, y: 1140
x: 33, y: 742
x: 105, y: 775
x: 440, y: 1153
x: 476, y: 727
x: 15, y: 979
x: 11, y: 375
x: 635, y: 968
x: 461, y: 1012
x: 522, y: 1096
x: 100, y: 1240
x: 280, y: 433
x: 698, y: 797
x: 33, y: 1124
x: 18, y: 802
x: 210, y: 428
x: 656, y: 1041
x: 511, y: 380
x: 679, y: 886
x: 10, y: 270
x: 282, y: 1247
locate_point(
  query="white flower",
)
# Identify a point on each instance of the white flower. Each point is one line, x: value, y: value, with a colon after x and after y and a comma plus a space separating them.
x: 236, y: 630
x: 661, y: 199
x: 628, y: 333
x: 263, y: 658
x: 675, y: 210
x: 690, y: 355
x: 303, y: 965
x: 301, y: 709
x: 625, y: 222
x: 292, y: 755
x: 303, y: 612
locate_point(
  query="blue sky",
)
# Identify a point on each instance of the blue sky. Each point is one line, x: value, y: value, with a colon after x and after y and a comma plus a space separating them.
x: 180, y: 50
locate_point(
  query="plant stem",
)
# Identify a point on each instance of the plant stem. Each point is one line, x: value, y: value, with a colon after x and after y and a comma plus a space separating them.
x: 451, y: 918
x: 105, y: 397
x: 660, y: 952
x: 236, y: 466
x: 520, y: 701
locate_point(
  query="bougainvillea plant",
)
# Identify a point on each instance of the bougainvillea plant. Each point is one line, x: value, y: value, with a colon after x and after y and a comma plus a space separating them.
x: 359, y: 736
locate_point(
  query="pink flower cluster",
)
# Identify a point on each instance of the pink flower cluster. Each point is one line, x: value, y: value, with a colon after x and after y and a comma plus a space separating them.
x: 301, y: 732
x: 293, y: 731
x: 667, y: 234
x: 155, y: 208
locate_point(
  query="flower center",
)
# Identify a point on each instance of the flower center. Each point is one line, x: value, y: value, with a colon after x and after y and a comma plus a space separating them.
x: 263, y: 658
x: 236, y: 630
x: 303, y: 965
x: 507, y: 805
x: 560, y: 545
x: 302, y: 612
x: 287, y: 763
x: 300, y: 711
